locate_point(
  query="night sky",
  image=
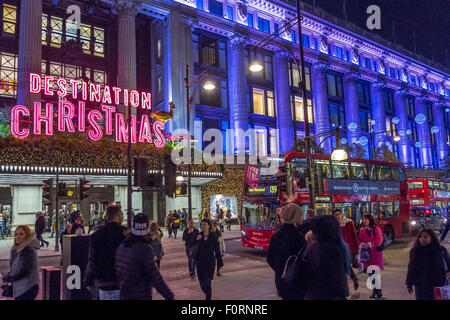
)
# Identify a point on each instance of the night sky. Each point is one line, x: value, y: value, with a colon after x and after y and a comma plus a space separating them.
x: 429, y: 20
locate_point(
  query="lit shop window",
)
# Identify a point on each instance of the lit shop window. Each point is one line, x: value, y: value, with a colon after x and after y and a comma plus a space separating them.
x: 8, y: 75
x: 299, y: 116
x: 9, y: 19
x: 92, y: 38
x: 270, y: 104
x: 258, y: 101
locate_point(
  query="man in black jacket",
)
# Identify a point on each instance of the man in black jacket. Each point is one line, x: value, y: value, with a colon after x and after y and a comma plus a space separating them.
x: 102, y: 255
x: 39, y: 228
x: 137, y: 272
x: 189, y: 236
x: 284, y: 243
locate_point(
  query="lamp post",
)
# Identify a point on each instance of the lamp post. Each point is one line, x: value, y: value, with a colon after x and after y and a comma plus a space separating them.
x: 129, y: 187
x: 207, y: 86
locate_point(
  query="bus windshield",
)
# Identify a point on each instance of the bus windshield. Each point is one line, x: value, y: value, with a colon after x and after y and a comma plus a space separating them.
x: 260, y: 216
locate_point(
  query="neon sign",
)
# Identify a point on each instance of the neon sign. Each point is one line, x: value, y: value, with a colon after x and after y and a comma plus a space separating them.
x: 95, y: 122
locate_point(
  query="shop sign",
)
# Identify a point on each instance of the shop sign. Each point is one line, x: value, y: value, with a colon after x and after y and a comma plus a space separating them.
x: 323, y: 199
x: 362, y: 187
x: 95, y: 122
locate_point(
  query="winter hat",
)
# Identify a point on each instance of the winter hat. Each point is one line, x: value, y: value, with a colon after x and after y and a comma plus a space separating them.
x: 141, y: 226
x: 327, y: 228
x: 291, y: 213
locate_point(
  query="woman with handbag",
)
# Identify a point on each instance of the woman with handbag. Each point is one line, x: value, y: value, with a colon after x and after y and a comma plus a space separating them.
x: 428, y: 266
x: 23, y: 276
x: 156, y: 235
x: 189, y: 236
x: 206, y: 256
x: 175, y: 223
x: 370, y: 240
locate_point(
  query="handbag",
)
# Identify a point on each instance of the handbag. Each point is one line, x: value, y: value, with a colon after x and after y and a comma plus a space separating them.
x: 177, y: 221
x: 296, y: 270
x: 386, y: 243
x: 442, y: 293
x: 7, y: 290
x: 364, y: 256
x: 193, y: 251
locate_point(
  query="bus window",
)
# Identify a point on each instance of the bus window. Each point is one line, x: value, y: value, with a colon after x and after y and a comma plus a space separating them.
x: 415, y: 185
x: 396, y: 210
x: 323, y: 208
x: 340, y: 170
x: 442, y: 186
x: 384, y: 173
x: 373, y: 172
x: 346, y: 209
x: 396, y: 173
x: 385, y: 210
x: 402, y: 174
x: 374, y: 208
x: 324, y: 167
x: 359, y: 171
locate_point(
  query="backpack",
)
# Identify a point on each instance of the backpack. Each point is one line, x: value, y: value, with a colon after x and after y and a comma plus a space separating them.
x: 296, y: 270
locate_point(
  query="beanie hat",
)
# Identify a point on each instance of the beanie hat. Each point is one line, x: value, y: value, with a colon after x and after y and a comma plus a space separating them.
x: 327, y: 228
x: 141, y: 226
x: 291, y: 213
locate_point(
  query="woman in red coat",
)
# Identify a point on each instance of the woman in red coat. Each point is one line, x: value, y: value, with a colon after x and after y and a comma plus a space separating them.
x: 348, y: 232
x: 370, y: 237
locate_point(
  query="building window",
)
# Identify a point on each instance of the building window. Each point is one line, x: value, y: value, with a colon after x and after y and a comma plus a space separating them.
x: 160, y: 84
x: 299, y: 116
x: 215, y: 7
x: 208, y: 51
x: 250, y: 20
x: 200, y: 4
x: 263, y: 25
x: 276, y: 27
x: 212, y: 98
x: 9, y: 18
x: 305, y: 39
x: 258, y: 101
x: 429, y: 112
x: 363, y: 90
x: 367, y: 63
x: 230, y: 12
x: 388, y: 98
x: 267, y: 72
x: 337, y: 115
x: 413, y: 129
x: 56, y: 25
x: 294, y: 77
x: 293, y: 38
x: 392, y: 72
x: 334, y: 84
x: 195, y: 46
x: 8, y: 74
x: 364, y: 120
x: 413, y: 80
x: 224, y: 93
x: 270, y: 104
x: 338, y: 52
x: 410, y: 107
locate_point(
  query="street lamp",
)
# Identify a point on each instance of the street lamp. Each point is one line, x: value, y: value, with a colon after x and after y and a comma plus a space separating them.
x: 209, y: 85
x: 180, y: 178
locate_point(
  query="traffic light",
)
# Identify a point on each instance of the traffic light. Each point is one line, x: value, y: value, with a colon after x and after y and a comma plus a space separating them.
x: 47, y: 190
x: 61, y: 189
x: 83, y: 189
x: 170, y: 173
x: 154, y: 180
x: 284, y: 178
x: 140, y: 172
x: 181, y: 190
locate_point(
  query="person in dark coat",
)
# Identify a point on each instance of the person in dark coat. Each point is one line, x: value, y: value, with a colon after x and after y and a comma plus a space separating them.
x: 175, y: 223
x: 78, y: 225
x: 428, y: 264
x: 284, y: 243
x: 189, y: 236
x: 208, y: 253
x: 39, y: 228
x: 328, y: 261
x: 136, y: 269
x: 103, y: 243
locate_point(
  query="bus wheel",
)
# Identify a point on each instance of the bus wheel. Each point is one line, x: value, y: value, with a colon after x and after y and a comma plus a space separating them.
x: 389, y: 233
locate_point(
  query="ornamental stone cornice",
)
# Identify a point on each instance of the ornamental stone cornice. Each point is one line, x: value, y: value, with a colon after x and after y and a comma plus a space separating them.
x: 127, y: 6
x: 379, y: 84
x: 352, y: 75
x: 283, y: 53
x: 423, y: 97
x: 402, y: 92
x: 321, y: 66
x: 237, y: 40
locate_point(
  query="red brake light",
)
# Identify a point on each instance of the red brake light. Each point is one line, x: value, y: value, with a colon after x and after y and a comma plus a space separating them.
x: 428, y: 212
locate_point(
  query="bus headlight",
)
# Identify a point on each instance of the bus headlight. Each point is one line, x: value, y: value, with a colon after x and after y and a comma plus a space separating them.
x: 414, y: 223
x: 244, y: 234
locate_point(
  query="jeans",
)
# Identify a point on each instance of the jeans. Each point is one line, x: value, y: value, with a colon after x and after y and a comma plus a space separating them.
x: 2, y: 232
x: 191, y: 263
x: 31, y: 294
x: 109, y: 294
x: 205, y: 285
x: 39, y: 237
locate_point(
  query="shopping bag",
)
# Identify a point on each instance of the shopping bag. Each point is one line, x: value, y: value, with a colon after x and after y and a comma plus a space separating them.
x: 442, y: 293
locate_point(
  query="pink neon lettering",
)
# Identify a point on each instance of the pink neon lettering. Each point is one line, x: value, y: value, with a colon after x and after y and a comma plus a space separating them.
x: 48, y: 85
x: 81, y: 116
x: 106, y: 95
x: 146, y: 100
x: 108, y: 117
x: 62, y: 92
x: 94, y: 92
x: 15, y: 130
x: 66, y: 111
x: 145, y: 132
x: 35, y: 83
x: 158, y: 129
x: 96, y: 132
x: 134, y: 99
x: 122, y: 128
x: 84, y: 91
x: 116, y: 95
x: 125, y: 97
x: 74, y: 84
x: 47, y: 118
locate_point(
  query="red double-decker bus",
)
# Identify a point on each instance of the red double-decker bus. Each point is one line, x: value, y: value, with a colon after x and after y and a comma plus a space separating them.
x: 356, y: 186
x: 426, y: 192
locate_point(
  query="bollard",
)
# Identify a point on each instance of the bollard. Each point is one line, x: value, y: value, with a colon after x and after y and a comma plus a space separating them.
x: 51, y: 283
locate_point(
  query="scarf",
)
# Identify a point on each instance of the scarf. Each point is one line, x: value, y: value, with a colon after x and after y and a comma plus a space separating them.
x: 344, y: 221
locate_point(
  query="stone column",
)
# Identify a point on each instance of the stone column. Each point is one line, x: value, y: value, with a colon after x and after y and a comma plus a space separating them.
x: 441, y: 137
x: 321, y: 112
x: 30, y: 49
x: 378, y: 114
x: 237, y: 80
x: 423, y: 131
x: 126, y: 59
x: 401, y: 112
x: 352, y: 107
x: 283, y: 101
